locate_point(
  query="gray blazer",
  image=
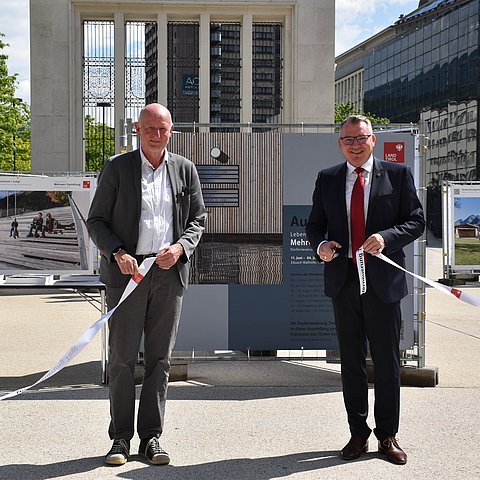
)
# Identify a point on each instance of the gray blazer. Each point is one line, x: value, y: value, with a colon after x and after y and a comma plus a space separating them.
x: 114, y: 215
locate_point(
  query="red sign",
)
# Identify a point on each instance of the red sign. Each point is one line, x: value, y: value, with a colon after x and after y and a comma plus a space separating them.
x: 394, y: 152
x: 86, y: 184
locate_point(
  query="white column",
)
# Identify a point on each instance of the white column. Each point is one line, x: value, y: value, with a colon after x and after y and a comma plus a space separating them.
x: 204, y: 73
x: 246, y: 78
x: 119, y: 65
x: 162, y: 50
x: 76, y: 148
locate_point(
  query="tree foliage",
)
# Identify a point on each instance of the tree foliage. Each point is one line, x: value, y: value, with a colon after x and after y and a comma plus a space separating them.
x: 99, y: 144
x: 14, y: 120
x: 343, y: 110
x: 58, y: 198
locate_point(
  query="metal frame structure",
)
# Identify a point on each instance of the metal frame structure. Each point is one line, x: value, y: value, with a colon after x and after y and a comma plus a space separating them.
x: 451, y: 270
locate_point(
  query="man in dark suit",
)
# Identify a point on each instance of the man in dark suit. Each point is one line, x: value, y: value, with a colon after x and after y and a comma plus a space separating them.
x: 148, y: 203
x: 391, y: 218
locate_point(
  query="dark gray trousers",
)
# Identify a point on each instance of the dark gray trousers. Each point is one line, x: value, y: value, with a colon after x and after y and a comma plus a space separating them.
x: 153, y: 308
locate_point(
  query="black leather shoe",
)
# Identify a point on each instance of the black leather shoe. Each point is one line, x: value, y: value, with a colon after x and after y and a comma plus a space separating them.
x: 354, y: 448
x: 390, y: 447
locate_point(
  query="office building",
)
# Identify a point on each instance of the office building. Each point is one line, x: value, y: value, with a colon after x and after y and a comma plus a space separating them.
x: 95, y: 64
x: 424, y: 69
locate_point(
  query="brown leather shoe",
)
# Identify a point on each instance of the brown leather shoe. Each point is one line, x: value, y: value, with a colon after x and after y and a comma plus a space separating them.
x: 390, y: 447
x: 354, y: 448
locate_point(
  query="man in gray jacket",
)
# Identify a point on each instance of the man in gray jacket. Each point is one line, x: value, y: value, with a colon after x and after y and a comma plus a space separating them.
x: 148, y: 203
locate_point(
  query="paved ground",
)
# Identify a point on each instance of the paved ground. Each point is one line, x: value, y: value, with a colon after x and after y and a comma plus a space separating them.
x: 231, y: 420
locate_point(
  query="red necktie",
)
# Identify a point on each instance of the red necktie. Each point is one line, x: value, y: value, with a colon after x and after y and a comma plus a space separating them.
x: 357, y: 213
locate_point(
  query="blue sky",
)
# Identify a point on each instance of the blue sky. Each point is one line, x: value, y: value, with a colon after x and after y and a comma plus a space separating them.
x: 466, y: 206
x: 355, y: 22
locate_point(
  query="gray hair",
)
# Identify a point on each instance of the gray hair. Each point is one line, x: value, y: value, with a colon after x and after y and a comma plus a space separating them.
x: 355, y: 119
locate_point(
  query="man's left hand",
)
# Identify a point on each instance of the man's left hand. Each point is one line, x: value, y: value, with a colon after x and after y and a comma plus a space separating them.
x: 374, y: 244
x: 168, y: 257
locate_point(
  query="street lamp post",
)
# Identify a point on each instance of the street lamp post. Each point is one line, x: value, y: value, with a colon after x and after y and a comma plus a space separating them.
x: 16, y: 101
x: 15, y: 150
x: 103, y: 105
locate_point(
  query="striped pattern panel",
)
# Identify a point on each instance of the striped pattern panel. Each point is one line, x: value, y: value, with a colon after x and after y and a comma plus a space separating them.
x: 258, y: 158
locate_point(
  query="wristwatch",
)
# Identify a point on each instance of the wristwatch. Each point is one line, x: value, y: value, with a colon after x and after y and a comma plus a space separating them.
x: 116, y: 250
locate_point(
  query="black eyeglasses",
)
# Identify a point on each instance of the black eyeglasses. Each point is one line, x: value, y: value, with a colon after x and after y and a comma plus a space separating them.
x: 361, y: 139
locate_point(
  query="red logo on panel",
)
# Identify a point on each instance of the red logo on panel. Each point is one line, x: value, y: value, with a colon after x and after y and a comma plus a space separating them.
x: 86, y: 184
x: 394, y: 152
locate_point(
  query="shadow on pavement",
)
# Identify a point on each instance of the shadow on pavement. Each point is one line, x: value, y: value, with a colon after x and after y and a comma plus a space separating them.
x: 212, y: 381
x: 233, y: 469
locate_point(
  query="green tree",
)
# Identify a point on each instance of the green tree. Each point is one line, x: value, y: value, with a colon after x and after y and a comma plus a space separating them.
x: 99, y: 144
x: 14, y: 121
x: 343, y: 110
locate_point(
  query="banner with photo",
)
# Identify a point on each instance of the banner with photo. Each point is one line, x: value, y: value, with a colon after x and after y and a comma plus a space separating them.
x: 269, y: 296
x: 463, y: 226
x: 42, y: 224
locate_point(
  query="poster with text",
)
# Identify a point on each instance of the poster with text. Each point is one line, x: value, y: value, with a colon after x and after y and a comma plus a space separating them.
x: 42, y: 224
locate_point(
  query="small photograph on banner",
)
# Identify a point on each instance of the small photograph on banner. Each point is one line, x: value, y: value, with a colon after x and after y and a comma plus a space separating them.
x: 42, y: 224
x: 467, y: 230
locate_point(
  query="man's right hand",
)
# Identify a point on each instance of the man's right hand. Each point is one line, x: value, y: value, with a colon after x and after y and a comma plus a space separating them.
x: 126, y: 263
x: 328, y: 251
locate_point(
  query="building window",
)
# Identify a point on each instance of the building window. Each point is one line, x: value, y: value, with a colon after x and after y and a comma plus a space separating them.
x: 225, y: 72
x: 98, y: 93
x: 267, y: 72
x: 183, y: 65
x: 140, y: 66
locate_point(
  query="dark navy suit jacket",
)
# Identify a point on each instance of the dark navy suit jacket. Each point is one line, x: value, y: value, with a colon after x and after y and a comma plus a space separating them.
x: 394, y: 211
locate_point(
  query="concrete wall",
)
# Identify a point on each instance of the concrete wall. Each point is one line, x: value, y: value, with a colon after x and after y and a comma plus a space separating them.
x: 50, y: 99
x: 56, y: 62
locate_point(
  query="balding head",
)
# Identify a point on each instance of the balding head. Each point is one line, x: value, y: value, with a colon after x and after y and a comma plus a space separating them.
x: 154, y: 129
x: 155, y: 110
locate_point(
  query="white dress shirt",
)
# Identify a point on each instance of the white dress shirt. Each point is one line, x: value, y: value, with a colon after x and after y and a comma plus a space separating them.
x: 156, y: 218
x: 350, y: 182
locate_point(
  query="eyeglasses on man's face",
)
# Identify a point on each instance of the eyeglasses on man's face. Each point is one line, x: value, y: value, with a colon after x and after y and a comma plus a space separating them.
x: 361, y: 139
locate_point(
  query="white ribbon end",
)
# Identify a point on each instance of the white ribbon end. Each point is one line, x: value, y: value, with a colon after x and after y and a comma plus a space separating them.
x: 362, y: 277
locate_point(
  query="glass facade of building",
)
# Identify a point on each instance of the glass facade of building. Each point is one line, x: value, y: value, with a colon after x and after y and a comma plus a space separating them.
x: 429, y: 72
x: 183, y: 69
x: 225, y: 72
x: 267, y: 72
x: 430, y: 62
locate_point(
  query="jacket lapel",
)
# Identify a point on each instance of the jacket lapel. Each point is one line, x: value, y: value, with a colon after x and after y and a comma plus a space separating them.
x: 173, y: 175
x: 137, y: 180
x: 378, y: 176
x: 340, y: 180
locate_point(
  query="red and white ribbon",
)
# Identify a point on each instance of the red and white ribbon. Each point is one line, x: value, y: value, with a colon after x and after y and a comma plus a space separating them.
x: 88, y: 336
x: 455, y: 292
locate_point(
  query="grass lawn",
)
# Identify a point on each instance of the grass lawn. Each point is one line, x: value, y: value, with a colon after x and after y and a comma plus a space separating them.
x: 467, y: 251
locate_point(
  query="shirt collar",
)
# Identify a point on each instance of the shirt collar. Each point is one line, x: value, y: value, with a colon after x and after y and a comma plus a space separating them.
x: 147, y: 163
x: 367, y: 166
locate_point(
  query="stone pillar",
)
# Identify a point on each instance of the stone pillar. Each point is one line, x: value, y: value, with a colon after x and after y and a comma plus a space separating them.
x: 246, y: 79
x: 162, y: 67
x: 204, y: 74
x: 119, y: 62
